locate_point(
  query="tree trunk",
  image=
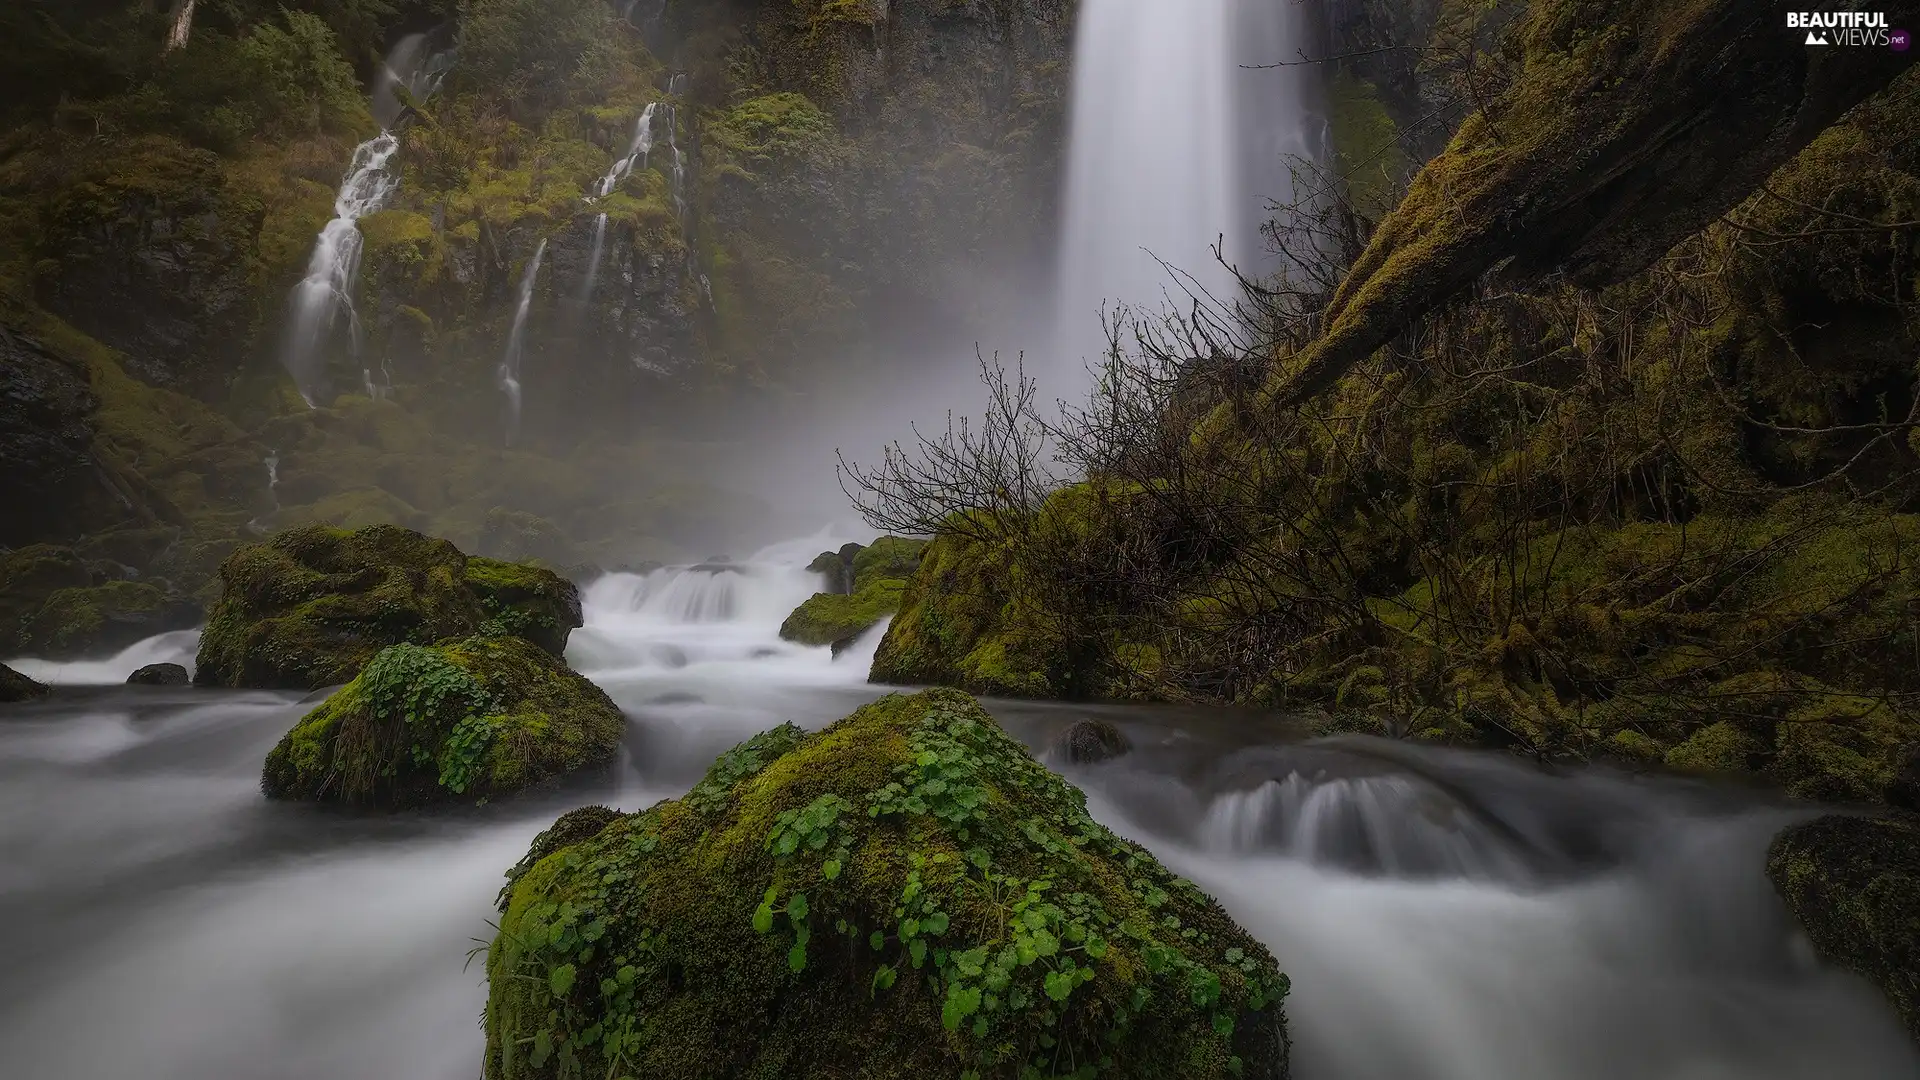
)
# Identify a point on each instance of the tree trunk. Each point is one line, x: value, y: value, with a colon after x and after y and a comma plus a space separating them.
x: 182, y: 16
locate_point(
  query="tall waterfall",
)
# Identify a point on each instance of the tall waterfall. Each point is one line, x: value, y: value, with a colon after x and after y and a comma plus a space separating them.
x: 326, y: 293
x: 1178, y: 144
x: 516, y: 342
x: 637, y: 154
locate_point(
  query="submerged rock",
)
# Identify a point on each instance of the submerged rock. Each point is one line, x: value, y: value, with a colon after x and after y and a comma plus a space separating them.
x: 160, y: 675
x: 1854, y: 884
x: 906, y: 893
x: 311, y: 606
x: 866, y: 589
x: 17, y: 687
x: 1089, y: 742
x: 468, y: 720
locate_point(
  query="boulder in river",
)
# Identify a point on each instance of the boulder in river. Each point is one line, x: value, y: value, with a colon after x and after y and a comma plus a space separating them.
x: 1854, y: 884
x: 467, y: 720
x: 864, y: 589
x: 308, y: 608
x: 1090, y: 741
x: 907, y: 893
x: 160, y: 675
x: 17, y: 687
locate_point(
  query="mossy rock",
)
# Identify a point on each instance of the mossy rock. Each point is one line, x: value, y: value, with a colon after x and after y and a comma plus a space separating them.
x: 907, y: 893
x: 878, y: 577
x: 310, y: 607
x: 469, y: 720
x: 1854, y: 884
x: 103, y: 618
x: 960, y: 625
x: 17, y: 687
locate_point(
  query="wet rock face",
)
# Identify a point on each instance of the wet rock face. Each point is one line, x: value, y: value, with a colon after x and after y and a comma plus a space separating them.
x: 155, y: 264
x: 1089, y: 742
x: 160, y: 675
x: 1854, y: 884
x: 46, y: 430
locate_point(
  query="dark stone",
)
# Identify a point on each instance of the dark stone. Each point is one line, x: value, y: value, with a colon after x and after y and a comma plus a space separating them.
x: 1854, y: 884
x: 1089, y: 742
x: 837, y: 569
x: 160, y: 675
x: 17, y: 687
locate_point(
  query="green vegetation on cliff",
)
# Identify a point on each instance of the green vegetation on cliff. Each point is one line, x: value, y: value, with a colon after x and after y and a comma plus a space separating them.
x: 906, y: 893
x: 467, y: 720
x: 310, y: 607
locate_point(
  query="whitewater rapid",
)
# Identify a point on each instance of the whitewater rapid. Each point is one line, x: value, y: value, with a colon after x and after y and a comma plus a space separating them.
x: 1443, y: 916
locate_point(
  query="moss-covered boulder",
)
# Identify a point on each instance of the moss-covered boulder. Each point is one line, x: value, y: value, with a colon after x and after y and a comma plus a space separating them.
x: 1854, y: 884
x: 469, y: 720
x: 103, y: 618
x: 311, y: 606
x: 960, y: 624
x: 17, y: 687
x: 906, y: 893
x: 875, y: 579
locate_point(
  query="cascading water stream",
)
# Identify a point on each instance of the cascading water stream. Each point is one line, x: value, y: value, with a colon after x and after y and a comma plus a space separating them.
x: 326, y: 293
x: 1179, y: 140
x: 637, y: 154
x: 517, y: 340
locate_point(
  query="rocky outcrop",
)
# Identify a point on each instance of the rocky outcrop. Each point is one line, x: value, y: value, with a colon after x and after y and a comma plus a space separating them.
x: 906, y: 893
x: 870, y: 584
x: 1624, y: 129
x: 57, y: 605
x: 464, y: 721
x: 310, y: 607
x: 46, y: 435
x: 1854, y: 884
x: 15, y: 687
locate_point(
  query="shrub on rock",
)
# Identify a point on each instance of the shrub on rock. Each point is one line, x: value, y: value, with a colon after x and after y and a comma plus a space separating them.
x: 310, y: 607
x: 907, y: 893
x: 467, y: 720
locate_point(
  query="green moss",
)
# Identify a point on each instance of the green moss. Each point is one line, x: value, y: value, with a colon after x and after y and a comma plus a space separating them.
x: 963, y: 622
x: 1854, y: 884
x: 904, y: 894
x: 1366, y: 144
x: 880, y: 573
x: 75, y: 621
x: 472, y: 720
x: 311, y: 606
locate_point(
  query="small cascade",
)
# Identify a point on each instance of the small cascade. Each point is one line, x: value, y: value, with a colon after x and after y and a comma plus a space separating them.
x: 677, y: 87
x: 326, y: 293
x: 516, y: 342
x: 637, y: 156
x: 272, y: 462
x: 414, y: 67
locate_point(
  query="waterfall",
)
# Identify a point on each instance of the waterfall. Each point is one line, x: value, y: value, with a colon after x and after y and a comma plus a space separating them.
x: 516, y: 342
x: 1176, y: 147
x: 327, y: 291
x: 638, y: 152
x: 410, y: 66
x: 677, y: 86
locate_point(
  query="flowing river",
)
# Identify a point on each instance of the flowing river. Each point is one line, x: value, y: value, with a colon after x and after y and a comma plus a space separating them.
x: 1443, y: 915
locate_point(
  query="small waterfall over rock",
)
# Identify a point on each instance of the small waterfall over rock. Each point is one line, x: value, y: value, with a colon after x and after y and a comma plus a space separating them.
x: 1177, y: 145
x: 415, y: 67
x: 326, y: 293
x: 637, y: 155
x: 517, y: 341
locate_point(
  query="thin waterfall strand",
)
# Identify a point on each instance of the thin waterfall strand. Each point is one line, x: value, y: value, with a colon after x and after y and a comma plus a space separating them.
x: 516, y: 342
x: 637, y: 156
x: 326, y: 293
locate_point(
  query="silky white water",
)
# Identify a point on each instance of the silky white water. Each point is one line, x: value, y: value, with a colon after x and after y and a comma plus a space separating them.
x: 324, y: 298
x: 636, y: 157
x: 1181, y: 135
x: 1443, y: 916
